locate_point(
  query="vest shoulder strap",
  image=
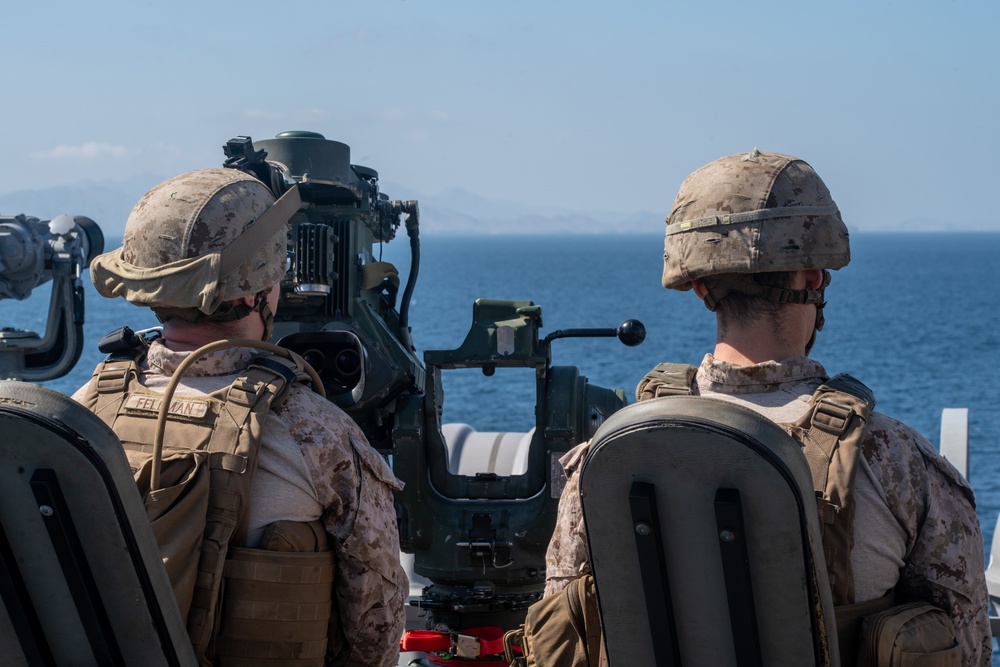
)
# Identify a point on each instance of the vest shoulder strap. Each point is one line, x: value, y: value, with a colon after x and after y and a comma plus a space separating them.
x: 667, y: 379
x: 110, y: 384
x: 831, y: 433
x: 111, y: 379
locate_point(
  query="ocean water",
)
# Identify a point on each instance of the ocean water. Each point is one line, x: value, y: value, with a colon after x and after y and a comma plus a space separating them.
x: 914, y: 316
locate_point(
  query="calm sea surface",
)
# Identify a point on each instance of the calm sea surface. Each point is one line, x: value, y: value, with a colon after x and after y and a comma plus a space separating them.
x: 915, y: 317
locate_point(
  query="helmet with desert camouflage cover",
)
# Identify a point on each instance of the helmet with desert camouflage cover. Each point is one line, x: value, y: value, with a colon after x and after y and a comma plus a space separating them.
x: 753, y: 213
x: 196, y: 243
x: 749, y: 214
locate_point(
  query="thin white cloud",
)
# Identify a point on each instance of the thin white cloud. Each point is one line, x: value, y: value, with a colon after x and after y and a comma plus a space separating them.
x: 89, y: 151
x: 396, y: 114
x: 392, y: 114
x: 263, y: 114
x: 163, y: 148
x: 418, y: 125
x: 309, y: 115
x: 300, y: 115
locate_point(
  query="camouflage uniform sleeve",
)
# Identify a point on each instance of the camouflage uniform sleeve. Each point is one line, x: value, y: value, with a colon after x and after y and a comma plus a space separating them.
x: 944, y: 564
x: 567, y: 557
x: 355, y: 485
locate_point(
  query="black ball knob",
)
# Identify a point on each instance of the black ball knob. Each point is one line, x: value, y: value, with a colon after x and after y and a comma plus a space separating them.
x: 631, y: 332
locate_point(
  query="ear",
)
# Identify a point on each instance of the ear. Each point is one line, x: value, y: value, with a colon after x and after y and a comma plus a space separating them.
x: 249, y: 301
x: 699, y: 287
x: 814, y: 278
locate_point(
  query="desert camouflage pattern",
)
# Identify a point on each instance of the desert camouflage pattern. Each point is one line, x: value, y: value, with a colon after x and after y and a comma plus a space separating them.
x: 191, y: 216
x: 932, y: 548
x: 314, y: 463
x: 751, y: 213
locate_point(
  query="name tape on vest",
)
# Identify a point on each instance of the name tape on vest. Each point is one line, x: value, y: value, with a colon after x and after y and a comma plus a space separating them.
x: 186, y: 408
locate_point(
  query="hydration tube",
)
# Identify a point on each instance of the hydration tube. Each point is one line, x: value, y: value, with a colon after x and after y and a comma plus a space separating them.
x: 161, y: 417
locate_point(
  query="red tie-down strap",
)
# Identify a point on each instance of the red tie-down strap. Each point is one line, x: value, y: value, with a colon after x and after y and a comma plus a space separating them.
x: 469, y: 643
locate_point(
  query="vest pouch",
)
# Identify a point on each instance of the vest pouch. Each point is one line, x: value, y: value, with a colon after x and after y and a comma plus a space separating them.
x: 564, y: 629
x: 276, y: 608
x: 176, y: 511
x: 910, y: 635
x: 849, y: 618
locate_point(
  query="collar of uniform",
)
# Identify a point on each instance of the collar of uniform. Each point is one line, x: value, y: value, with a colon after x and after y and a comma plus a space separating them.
x: 221, y: 362
x: 731, y: 378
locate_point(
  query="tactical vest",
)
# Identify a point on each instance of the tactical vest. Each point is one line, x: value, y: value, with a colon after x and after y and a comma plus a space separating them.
x: 276, y: 600
x: 830, y: 433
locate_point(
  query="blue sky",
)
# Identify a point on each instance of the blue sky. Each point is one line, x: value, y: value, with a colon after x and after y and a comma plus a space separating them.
x: 582, y: 106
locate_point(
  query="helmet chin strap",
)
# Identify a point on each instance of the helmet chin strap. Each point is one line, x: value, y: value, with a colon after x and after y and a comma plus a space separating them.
x: 719, y: 287
x: 229, y: 312
x: 819, y: 311
x: 818, y: 327
x: 266, y: 315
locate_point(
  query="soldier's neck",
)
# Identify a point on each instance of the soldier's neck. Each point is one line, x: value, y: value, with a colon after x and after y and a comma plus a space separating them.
x: 188, y: 336
x: 762, y: 340
x: 750, y: 355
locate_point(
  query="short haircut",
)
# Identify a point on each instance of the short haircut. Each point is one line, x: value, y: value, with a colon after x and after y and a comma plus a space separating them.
x: 738, y: 309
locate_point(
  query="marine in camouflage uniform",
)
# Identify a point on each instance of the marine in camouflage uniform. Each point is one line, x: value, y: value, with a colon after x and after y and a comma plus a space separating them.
x: 314, y: 463
x: 915, y: 526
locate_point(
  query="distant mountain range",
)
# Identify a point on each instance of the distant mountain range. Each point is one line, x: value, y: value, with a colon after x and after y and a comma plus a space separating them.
x: 453, y: 211
x: 108, y: 204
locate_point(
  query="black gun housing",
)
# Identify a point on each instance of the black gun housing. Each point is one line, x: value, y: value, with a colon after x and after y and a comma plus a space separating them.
x: 478, y: 531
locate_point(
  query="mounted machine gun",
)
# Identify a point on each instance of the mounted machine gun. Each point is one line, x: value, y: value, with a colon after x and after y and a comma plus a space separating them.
x: 479, y: 535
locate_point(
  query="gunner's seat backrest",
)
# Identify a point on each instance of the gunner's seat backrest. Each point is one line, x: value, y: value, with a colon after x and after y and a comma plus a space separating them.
x: 80, y: 571
x: 704, y: 539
